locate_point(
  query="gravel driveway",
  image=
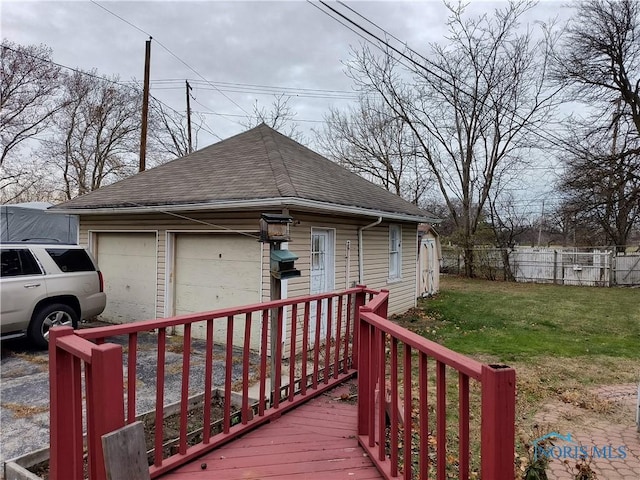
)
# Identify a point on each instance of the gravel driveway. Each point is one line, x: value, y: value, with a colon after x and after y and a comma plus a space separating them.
x: 24, y: 387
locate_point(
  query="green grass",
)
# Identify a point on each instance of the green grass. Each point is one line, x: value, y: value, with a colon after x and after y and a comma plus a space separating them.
x: 514, y: 322
x: 562, y: 341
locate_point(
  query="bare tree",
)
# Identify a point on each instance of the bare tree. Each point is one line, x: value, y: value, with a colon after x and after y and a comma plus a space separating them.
x: 371, y: 141
x: 508, y: 223
x: 601, y: 189
x: 169, y: 132
x: 473, y: 106
x: 29, y: 87
x: 599, y: 63
x: 96, y: 135
x: 279, y: 117
x: 599, y: 58
x: 28, y: 97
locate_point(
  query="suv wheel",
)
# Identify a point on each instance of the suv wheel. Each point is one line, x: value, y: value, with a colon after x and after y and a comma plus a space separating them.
x: 50, y: 316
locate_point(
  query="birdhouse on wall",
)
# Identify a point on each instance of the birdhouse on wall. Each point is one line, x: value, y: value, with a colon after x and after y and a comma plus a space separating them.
x: 275, y: 227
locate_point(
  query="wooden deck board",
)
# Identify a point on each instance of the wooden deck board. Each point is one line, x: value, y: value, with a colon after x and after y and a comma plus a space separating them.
x: 315, y: 441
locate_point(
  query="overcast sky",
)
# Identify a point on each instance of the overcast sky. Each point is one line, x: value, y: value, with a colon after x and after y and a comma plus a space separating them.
x: 281, y: 44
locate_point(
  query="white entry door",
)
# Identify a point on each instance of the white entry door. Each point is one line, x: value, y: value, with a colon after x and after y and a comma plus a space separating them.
x: 322, y: 273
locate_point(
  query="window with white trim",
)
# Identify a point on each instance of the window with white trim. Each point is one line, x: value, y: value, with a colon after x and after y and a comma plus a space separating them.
x: 395, y: 252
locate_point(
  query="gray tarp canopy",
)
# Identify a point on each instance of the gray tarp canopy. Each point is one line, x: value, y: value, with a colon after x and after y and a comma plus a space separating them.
x: 24, y: 221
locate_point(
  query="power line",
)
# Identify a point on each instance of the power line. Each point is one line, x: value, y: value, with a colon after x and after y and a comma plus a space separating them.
x: 170, y: 53
x: 388, y: 45
x: 258, y: 86
x: 133, y: 85
x: 225, y: 116
x: 265, y: 92
x: 354, y: 31
x: 557, y: 141
x: 121, y: 18
x: 43, y: 59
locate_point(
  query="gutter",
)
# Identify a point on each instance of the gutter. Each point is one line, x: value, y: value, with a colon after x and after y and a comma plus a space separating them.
x: 278, y: 202
x: 361, y: 249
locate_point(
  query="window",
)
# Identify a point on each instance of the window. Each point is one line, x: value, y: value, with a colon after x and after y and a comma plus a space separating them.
x: 16, y: 262
x: 395, y: 252
x: 318, y: 250
x: 71, y: 260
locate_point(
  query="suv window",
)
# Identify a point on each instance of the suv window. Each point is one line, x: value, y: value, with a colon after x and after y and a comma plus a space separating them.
x: 71, y: 260
x: 16, y: 262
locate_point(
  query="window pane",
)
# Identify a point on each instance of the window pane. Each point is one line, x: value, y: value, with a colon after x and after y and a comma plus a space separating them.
x: 395, y: 257
x: 71, y: 260
x: 393, y: 265
x: 19, y: 262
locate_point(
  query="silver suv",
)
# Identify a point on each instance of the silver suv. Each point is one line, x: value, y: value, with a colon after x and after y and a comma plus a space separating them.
x: 45, y: 285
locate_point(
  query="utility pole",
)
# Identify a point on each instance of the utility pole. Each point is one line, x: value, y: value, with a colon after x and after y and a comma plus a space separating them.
x: 145, y: 106
x: 541, y: 222
x: 188, y: 114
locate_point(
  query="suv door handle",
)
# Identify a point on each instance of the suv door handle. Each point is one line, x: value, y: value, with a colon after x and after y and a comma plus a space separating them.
x: 32, y: 285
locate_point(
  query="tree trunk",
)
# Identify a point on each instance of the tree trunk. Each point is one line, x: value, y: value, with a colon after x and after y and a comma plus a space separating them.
x: 508, y: 273
x: 468, y: 261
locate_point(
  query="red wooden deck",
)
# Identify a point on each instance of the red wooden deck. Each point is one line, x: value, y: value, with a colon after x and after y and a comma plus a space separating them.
x: 302, y: 429
x: 314, y: 441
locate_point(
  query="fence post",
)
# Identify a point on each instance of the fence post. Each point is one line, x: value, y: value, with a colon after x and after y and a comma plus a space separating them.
x: 364, y: 390
x: 360, y: 300
x: 65, y: 435
x: 612, y: 269
x: 105, y: 402
x: 498, y: 422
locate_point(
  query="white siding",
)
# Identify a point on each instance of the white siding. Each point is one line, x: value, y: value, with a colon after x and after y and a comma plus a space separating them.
x: 162, y: 223
x: 402, y: 292
x: 376, y: 249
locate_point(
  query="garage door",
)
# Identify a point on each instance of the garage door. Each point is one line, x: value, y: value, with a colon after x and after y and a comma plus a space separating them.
x: 128, y: 263
x: 214, y: 272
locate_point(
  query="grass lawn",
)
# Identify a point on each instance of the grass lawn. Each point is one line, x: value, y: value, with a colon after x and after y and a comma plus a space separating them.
x: 516, y: 321
x: 562, y: 341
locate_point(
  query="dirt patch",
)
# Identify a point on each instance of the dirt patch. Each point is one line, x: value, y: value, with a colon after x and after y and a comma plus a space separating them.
x: 24, y: 411
x: 170, y: 432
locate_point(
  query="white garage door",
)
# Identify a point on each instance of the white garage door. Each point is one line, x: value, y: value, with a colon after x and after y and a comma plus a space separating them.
x: 128, y: 263
x: 214, y: 272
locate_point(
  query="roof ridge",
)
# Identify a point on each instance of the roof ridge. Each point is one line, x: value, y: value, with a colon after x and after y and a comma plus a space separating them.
x: 278, y: 166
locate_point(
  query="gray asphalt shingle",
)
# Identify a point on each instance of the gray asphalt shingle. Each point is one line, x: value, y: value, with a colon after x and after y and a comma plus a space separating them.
x: 257, y: 164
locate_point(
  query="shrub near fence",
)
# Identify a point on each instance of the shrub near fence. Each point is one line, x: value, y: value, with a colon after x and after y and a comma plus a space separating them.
x: 596, y: 267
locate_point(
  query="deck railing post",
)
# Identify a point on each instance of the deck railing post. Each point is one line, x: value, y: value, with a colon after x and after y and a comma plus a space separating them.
x: 65, y: 392
x: 360, y: 300
x: 498, y: 421
x: 383, y: 311
x: 105, y: 402
x: 364, y: 390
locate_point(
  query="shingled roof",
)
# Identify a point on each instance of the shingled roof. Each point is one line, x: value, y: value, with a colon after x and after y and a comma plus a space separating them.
x: 259, y: 165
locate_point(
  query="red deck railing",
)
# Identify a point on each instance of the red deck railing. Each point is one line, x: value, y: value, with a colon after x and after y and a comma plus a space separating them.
x: 391, y: 360
x: 320, y: 351
x: 321, y: 339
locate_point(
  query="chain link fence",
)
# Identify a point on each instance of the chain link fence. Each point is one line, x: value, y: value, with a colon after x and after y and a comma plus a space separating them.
x: 588, y: 267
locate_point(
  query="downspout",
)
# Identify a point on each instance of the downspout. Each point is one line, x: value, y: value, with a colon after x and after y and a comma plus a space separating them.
x: 361, y: 249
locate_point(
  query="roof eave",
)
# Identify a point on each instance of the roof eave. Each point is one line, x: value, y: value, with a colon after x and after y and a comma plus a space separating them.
x: 278, y: 202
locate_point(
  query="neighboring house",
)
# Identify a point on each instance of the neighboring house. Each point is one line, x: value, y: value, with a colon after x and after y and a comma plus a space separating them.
x: 32, y: 221
x: 183, y: 237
